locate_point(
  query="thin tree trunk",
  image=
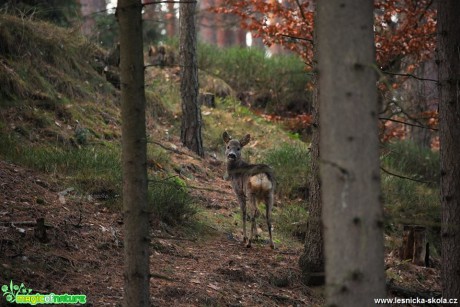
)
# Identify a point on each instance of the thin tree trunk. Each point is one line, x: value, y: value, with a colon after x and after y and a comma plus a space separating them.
x: 191, y: 111
x: 420, y: 99
x: 349, y: 149
x: 171, y: 21
x: 312, y: 260
x: 449, y: 134
x: 135, y: 216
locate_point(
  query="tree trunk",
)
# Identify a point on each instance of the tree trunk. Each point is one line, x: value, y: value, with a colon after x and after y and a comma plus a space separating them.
x: 171, y: 21
x: 449, y: 135
x: 420, y: 97
x: 414, y: 244
x: 349, y: 149
x: 135, y: 216
x: 312, y: 260
x: 191, y: 111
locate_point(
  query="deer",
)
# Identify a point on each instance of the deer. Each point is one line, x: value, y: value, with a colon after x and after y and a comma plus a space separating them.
x: 250, y: 182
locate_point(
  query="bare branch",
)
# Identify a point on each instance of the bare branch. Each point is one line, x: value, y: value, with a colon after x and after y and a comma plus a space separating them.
x: 404, y: 177
x: 406, y: 123
x: 158, y: 65
x: 408, y: 75
x: 301, y: 10
x: 298, y: 38
x: 177, y: 151
x: 168, y: 1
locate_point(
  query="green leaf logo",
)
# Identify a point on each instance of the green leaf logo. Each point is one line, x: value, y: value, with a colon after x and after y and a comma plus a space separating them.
x: 12, y: 290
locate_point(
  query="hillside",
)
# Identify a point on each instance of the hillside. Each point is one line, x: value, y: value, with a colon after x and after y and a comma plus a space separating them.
x: 60, y: 161
x: 60, y: 133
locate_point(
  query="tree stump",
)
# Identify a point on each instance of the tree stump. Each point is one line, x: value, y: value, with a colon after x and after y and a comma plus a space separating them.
x: 40, y: 231
x: 414, y: 247
x: 207, y: 99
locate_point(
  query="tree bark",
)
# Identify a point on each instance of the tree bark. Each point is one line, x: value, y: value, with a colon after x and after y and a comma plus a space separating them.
x: 135, y: 216
x: 414, y: 244
x: 449, y: 135
x: 349, y: 149
x: 191, y: 111
x: 312, y: 259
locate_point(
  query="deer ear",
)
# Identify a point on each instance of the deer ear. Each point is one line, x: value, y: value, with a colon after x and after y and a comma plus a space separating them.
x: 245, y: 140
x: 226, y: 137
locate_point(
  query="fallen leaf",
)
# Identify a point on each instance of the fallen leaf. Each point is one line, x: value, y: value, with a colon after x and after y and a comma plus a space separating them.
x: 214, y: 287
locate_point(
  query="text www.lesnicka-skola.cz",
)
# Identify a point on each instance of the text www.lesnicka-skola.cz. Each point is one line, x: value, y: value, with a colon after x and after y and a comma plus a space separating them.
x: 415, y: 300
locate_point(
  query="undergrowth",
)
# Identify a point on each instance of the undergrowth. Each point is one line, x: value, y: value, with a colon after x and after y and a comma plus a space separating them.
x: 90, y: 167
x: 41, y: 61
x: 291, y: 164
x: 170, y: 201
x: 413, y: 161
x: 413, y: 197
x: 291, y: 219
x: 278, y: 82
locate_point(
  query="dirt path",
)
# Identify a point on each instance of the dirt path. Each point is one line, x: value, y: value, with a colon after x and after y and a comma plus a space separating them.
x: 83, y: 252
x: 221, y: 272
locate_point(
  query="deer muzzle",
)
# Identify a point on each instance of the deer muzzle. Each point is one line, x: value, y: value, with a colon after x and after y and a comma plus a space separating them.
x: 231, y: 156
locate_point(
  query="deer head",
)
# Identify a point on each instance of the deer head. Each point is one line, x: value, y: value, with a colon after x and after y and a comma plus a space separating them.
x: 233, y: 149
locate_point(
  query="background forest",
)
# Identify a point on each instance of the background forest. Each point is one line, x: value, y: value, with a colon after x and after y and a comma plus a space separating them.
x: 65, y: 203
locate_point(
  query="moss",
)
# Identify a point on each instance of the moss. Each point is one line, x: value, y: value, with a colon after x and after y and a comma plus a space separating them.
x: 42, y: 60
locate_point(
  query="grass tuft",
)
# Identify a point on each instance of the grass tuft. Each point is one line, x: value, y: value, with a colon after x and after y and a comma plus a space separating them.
x: 170, y: 201
x: 277, y: 82
x: 406, y: 158
x: 90, y: 168
x: 407, y: 201
x: 291, y: 219
x: 41, y: 61
x: 291, y: 164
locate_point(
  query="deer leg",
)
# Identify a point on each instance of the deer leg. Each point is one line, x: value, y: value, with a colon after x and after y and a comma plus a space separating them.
x: 268, y: 208
x: 242, y: 201
x: 253, y: 212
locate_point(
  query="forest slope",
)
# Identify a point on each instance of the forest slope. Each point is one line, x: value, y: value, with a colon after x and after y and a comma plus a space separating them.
x: 60, y: 160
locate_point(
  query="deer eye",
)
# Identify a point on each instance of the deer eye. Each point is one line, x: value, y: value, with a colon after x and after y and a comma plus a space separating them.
x: 228, y: 147
x: 238, y: 149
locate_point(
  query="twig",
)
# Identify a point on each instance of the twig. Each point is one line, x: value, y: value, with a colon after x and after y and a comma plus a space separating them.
x: 158, y: 65
x: 159, y: 276
x: 403, y: 111
x: 173, y: 238
x: 171, y: 149
x: 404, y: 177
x: 408, y: 75
x: 168, y: 1
x: 408, y: 124
x: 425, y: 10
x: 299, y: 38
x: 301, y: 10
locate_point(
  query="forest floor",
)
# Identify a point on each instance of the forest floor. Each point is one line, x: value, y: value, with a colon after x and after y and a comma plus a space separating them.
x: 200, y: 265
x: 203, y: 264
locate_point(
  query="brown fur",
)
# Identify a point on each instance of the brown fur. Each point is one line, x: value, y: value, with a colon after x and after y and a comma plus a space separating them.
x: 253, y: 182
